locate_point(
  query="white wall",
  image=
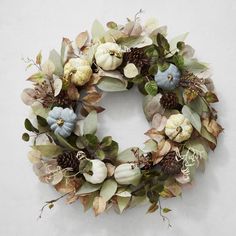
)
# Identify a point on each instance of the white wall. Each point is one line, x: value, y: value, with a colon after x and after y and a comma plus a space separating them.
x: 26, y: 26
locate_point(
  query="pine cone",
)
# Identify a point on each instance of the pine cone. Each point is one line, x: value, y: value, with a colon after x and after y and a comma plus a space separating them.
x: 70, y: 160
x: 169, y: 100
x: 138, y: 57
x: 63, y: 100
x: 170, y: 165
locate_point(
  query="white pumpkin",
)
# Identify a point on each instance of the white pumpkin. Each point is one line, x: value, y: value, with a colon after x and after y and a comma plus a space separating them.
x: 109, y: 56
x: 178, y: 128
x: 127, y: 173
x: 99, y: 172
x: 78, y: 71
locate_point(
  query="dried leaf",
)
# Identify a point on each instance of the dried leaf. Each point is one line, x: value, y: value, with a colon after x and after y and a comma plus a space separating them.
x: 57, y: 85
x: 152, y: 208
x: 72, y: 92
x: 68, y: 185
x: 211, y: 97
x: 92, y: 98
x: 132, y: 28
x: 193, y: 117
x: 99, y: 205
x: 155, y: 135
x: 110, y: 169
x: 97, y: 30
x: 39, y: 58
x: 123, y: 203
x: 48, y: 68
x: 49, y: 150
x: 159, y: 122
x: 212, y: 126
x: 37, y: 78
x: 27, y: 96
x: 81, y: 39
x: 34, y: 156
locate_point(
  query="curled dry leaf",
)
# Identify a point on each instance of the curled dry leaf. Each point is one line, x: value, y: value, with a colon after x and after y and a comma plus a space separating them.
x: 68, y: 185
x: 71, y: 198
x: 130, y: 70
x: 82, y: 39
x: 99, y: 205
x: 92, y: 98
x: 48, y: 68
x: 183, y: 179
x: 159, y: 122
x: 212, y: 127
x: 155, y: 135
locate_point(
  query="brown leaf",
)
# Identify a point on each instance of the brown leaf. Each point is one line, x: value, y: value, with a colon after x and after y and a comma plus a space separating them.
x: 81, y: 39
x: 152, y: 208
x: 212, y: 126
x: 99, y: 205
x: 73, y: 92
x: 71, y: 198
x: 88, y: 108
x: 189, y: 95
x: 92, y: 98
x: 94, y: 79
x: 68, y: 185
x: 159, y: 122
x: 155, y: 135
x: 211, y: 97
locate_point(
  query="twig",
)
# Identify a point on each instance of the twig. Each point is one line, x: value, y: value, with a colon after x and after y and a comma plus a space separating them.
x: 50, y: 203
x: 164, y: 218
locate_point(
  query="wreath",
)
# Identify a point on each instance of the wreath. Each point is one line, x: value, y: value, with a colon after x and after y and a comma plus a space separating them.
x: 177, y: 101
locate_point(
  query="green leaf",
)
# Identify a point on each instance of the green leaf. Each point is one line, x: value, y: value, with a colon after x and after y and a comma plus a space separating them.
x: 98, y: 31
x: 106, y: 141
x: 166, y: 210
x: 42, y: 121
x: 88, y: 188
x: 85, y: 166
x: 126, y: 156
x: 112, y: 25
x: 153, y: 69
x: 49, y: 150
x: 25, y: 137
x: 194, y: 65
x: 193, y: 117
x: 112, y: 150
x: 130, y: 41
x: 178, y: 60
x: 63, y: 142
x: 162, y: 42
x: 198, y: 105
x: 122, y: 203
x: 39, y: 58
x: 110, y: 84
x: 174, y: 41
x: 29, y: 126
x: 108, y: 189
x: 151, y: 88
x: 55, y: 58
x: 37, y: 78
x: 100, y: 154
x: 91, y: 140
x: 90, y: 123
x: 208, y: 136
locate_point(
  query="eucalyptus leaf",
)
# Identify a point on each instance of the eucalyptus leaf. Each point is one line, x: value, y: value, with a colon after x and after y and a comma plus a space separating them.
x: 197, y: 147
x: 49, y: 150
x: 194, y: 65
x: 88, y: 188
x: 65, y: 143
x: 150, y: 146
x: 193, y: 117
x: 97, y: 30
x: 110, y: 84
x: 122, y: 203
x: 108, y: 189
x: 174, y: 41
x: 90, y: 123
x: 151, y: 88
x: 127, y: 156
x: 25, y: 137
x: 198, y: 105
x: 208, y: 136
x: 56, y: 60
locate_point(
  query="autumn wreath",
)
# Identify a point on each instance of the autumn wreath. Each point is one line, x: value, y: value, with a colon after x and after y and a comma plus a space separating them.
x: 177, y: 96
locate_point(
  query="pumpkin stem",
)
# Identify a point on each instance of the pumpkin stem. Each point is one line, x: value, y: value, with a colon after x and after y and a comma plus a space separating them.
x: 60, y: 122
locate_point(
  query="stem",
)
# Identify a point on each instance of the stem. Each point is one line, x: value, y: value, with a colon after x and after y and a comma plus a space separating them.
x: 164, y: 218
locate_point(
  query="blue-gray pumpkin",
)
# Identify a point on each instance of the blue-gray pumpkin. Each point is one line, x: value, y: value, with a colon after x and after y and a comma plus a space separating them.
x: 62, y: 121
x: 168, y: 79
